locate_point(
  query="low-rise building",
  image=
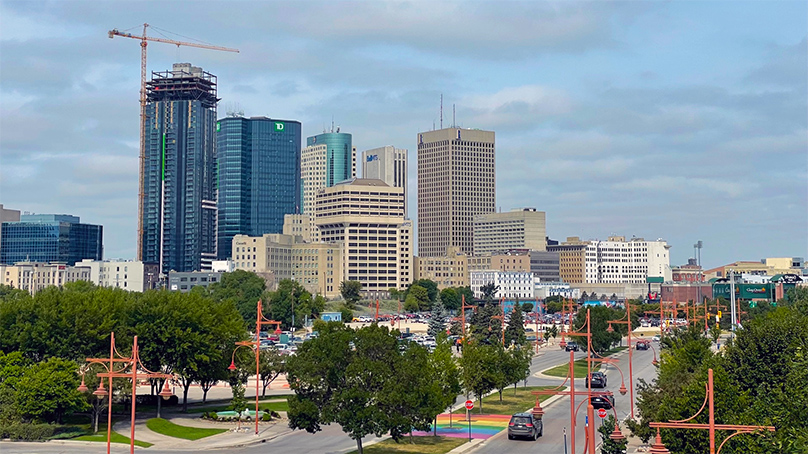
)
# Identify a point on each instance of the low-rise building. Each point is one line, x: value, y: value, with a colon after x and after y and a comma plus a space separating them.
x: 184, y: 281
x: 35, y: 276
x: 129, y: 275
x: 572, y: 259
x: 543, y: 290
x: 512, y: 284
x: 450, y: 270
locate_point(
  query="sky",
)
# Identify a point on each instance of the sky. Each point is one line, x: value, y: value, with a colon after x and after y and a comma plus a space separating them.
x: 681, y: 120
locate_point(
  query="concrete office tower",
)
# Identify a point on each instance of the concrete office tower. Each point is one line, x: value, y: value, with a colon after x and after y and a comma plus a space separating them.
x: 259, y: 176
x: 617, y: 261
x: 178, y: 212
x: 455, y: 184
x: 522, y: 228
x: 50, y: 238
x: 367, y: 218
x: 388, y: 164
x: 327, y: 159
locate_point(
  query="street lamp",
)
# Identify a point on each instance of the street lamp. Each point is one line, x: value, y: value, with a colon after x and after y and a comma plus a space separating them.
x: 260, y: 320
x: 627, y: 322
x: 127, y: 367
x: 712, y: 426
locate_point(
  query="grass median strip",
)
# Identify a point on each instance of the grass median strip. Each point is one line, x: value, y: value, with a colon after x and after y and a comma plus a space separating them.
x: 168, y: 428
x: 415, y: 445
x: 580, y: 366
x: 115, y: 437
x: 511, y: 403
x: 277, y: 405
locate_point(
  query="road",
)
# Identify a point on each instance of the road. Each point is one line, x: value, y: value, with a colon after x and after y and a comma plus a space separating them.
x: 332, y: 440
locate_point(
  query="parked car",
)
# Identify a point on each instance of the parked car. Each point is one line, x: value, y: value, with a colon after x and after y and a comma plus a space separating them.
x: 656, y: 338
x: 606, y: 402
x: 525, y: 425
x: 572, y: 346
x: 642, y: 344
x: 598, y: 380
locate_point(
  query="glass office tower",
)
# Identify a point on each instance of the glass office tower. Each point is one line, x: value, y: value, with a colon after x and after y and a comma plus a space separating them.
x: 50, y: 238
x: 179, y: 178
x: 327, y: 159
x: 259, y: 176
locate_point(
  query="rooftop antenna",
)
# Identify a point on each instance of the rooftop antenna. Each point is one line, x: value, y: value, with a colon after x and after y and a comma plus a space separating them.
x: 332, y: 123
x: 441, y: 111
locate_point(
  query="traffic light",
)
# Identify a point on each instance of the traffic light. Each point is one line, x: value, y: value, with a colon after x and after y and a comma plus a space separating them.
x: 719, y: 315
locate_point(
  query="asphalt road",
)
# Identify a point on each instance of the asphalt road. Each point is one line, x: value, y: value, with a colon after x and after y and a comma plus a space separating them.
x: 332, y: 440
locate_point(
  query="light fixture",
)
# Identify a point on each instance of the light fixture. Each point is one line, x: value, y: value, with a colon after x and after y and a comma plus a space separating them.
x: 100, y: 392
x: 82, y: 387
x: 658, y: 447
x: 165, y: 393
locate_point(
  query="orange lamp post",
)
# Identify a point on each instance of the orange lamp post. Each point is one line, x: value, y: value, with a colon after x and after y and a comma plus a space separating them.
x: 627, y: 322
x: 119, y: 366
x: 255, y: 344
x: 659, y: 448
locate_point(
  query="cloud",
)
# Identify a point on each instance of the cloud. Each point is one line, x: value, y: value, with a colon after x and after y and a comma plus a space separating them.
x: 680, y: 184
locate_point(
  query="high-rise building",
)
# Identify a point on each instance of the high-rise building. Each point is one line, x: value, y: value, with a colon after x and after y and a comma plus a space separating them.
x: 367, y: 218
x: 456, y: 183
x: 327, y: 159
x: 522, y: 228
x: 7, y: 216
x: 259, y: 176
x: 388, y: 164
x: 178, y: 207
x: 50, y: 238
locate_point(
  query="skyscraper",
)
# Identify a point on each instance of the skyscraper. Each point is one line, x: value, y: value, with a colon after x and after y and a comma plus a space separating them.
x: 179, y: 180
x: 327, y: 159
x: 455, y: 184
x: 388, y: 164
x: 50, y: 238
x: 259, y: 176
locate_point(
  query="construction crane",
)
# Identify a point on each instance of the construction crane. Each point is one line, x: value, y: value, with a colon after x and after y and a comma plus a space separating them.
x: 143, y: 44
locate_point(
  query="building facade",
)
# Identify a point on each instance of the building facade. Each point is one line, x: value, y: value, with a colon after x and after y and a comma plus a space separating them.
x: 388, y: 164
x: 367, y: 218
x: 184, y: 281
x: 47, y: 238
x: 545, y: 265
x: 35, y: 276
x: 450, y: 270
x: 327, y: 159
x: 178, y: 188
x: 617, y: 261
x: 512, y: 284
x: 7, y: 215
x: 129, y: 275
x: 258, y: 176
x: 456, y: 183
x: 301, y: 225
x: 572, y: 259
x: 523, y: 228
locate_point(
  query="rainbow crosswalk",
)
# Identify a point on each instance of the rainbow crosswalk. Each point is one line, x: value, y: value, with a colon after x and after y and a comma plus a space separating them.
x: 482, y: 426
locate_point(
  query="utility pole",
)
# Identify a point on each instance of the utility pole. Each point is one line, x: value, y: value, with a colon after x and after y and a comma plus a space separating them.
x: 732, y: 300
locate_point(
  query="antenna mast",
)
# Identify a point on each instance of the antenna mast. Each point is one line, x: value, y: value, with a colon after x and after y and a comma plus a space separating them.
x: 441, y: 111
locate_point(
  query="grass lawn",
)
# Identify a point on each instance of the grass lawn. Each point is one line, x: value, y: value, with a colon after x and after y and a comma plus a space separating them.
x: 510, y: 403
x: 161, y: 426
x: 277, y: 405
x: 415, y: 445
x: 114, y: 438
x: 580, y: 366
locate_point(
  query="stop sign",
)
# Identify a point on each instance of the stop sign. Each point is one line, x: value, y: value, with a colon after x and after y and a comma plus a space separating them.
x: 469, y: 405
x: 601, y: 412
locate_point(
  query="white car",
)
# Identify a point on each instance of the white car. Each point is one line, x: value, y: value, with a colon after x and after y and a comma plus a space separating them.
x: 656, y: 338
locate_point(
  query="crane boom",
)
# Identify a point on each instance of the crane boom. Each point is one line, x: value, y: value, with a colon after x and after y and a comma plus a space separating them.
x: 144, y: 41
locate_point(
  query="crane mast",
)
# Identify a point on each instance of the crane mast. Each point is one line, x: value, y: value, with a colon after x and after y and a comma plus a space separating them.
x: 144, y: 41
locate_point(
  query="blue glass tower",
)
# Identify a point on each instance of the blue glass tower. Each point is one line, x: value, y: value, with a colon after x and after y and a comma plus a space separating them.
x: 259, y: 176
x: 339, y: 159
x: 178, y: 212
x: 50, y: 238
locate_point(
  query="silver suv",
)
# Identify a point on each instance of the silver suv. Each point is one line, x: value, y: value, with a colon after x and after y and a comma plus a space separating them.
x: 525, y: 425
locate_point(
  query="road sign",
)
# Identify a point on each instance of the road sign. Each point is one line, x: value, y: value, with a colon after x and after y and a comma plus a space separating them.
x: 602, y: 412
x: 469, y: 405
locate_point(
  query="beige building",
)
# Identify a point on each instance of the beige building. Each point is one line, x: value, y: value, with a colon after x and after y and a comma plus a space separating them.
x: 301, y: 225
x: 523, y: 228
x: 572, y: 259
x: 314, y: 172
x: 35, y: 276
x: 450, y: 270
x: 512, y: 261
x: 366, y: 216
x: 131, y: 275
x: 456, y: 183
x: 765, y: 267
x: 274, y: 256
x: 388, y: 164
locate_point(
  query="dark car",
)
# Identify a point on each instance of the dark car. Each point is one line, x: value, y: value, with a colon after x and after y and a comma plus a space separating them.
x: 598, y: 380
x: 606, y: 402
x: 642, y: 344
x: 525, y: 425
x: 572, y: 346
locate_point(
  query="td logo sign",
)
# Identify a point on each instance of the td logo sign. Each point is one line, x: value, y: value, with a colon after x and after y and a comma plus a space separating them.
x: 279, y: 126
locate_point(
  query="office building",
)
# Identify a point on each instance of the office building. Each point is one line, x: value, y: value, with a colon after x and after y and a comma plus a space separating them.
x: 388, y: 164
x: 617, y: 261
x: 456, y: 183
x: 128, y: 275
x: 7, y: 216
x: 545, y: 265
x: 35, y: 276
x: 367, y: 218
x: 327, y: 159
x: 47, y: 238
x: 523, y: 228
x: 572, y: 259
x: 450, y: 270
x: 301, y: 225
x: 184, y: 281
x: 316, y: 266
x: 512, y: 284
x: 178, y: 179
x: 258, y: 176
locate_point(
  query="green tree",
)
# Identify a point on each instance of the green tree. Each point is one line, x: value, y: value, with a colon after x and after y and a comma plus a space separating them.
x: 417, y: 299
x: 450, y: 299
x: 430, y: 286
x: 527, y: 307
x: 243, y: 289
x: 489, y: 290
x: 290, y: 297
x: 48, y: 391
x: 608, y: 445
x: 347, y: 313
x: 602, y: 340
x: 478, y: 369
x: 446, y: 374
x: 351, y: 292
x: 270, y: 365
x: 465, y: 292
x: 238, y: 403
x: 436, y: 324
x: 515, y: 331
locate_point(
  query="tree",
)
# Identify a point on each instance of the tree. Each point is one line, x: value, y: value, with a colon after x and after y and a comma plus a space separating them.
x: 48, y: 391
x: 608, y: 445
x: 489, y: 290
x: 527, y: 307
x: 602, y: 340
x: 476, y: 365
x: 351, y: 291
x: 551, y: 332
x: 417, y: 299
x: 243, y: 288
x: 450, y: 299
x: 436, y: 324
x: 270, y: 365
x: 430, y: 286
x: 515, y: 332
x: 288, y: 298
x: 465, y: 292
x: 239, y: 403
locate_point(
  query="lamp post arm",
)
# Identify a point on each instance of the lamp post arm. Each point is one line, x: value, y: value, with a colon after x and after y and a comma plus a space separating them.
x: 706, y: 396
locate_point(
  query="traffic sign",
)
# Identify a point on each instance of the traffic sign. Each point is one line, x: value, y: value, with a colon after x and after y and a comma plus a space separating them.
x: 469, y: 405
x: 602, y: 412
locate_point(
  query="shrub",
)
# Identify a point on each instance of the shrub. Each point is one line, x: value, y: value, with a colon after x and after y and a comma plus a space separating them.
x: 266, y: 417
x: 213, y: 415
x: 274, y: 414
x: 27, y: 432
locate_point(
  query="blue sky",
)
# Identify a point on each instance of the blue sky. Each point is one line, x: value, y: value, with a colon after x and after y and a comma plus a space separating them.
x: 678, y: 120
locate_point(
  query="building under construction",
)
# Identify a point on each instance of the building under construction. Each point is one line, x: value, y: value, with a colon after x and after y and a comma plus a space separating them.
x: 178, y: 212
